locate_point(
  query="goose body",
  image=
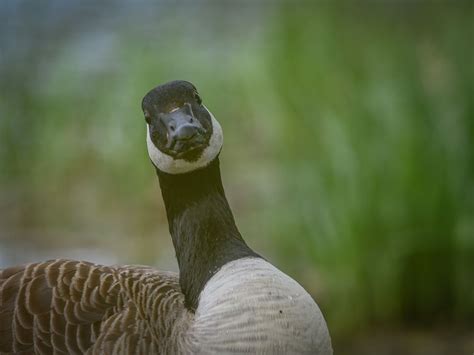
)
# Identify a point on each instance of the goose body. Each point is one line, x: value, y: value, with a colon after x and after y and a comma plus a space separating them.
x: 250, y: 306
x: 226, y: 299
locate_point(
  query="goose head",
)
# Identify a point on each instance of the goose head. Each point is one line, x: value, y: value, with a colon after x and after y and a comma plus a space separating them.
x: 182, y: 134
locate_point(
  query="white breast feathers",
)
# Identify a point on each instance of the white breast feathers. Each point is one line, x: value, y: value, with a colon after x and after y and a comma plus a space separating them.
x: 250, y: 306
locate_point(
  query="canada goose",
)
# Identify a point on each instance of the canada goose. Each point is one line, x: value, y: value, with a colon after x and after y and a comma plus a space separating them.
x: 226, y: 299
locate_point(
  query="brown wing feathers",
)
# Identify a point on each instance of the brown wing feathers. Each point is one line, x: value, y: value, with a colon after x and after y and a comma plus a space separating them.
x: 71, y: 307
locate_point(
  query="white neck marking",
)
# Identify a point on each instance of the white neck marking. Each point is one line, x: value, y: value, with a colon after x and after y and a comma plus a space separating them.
x: 169, y: 165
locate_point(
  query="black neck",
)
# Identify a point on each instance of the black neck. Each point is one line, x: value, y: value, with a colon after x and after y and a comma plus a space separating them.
x: 202, y: 227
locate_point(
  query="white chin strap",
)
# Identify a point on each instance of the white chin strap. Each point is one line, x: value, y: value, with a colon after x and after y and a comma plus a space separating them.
x: 170, y: 165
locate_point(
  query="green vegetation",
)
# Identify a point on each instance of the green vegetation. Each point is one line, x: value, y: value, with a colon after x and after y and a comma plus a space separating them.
x: 348, y: 156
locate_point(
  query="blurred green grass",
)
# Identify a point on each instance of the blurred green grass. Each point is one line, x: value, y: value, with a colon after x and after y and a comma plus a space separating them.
x: 348, y: 155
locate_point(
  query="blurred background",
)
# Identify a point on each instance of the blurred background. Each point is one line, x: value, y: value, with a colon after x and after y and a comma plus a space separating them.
x: 348, y: 156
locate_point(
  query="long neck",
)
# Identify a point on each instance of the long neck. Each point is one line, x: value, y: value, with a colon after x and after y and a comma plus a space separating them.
x: 202, y: 227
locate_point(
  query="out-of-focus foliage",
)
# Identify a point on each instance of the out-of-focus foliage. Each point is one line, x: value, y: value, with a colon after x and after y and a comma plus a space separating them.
x: 377, y: 153
x: 349, y: 141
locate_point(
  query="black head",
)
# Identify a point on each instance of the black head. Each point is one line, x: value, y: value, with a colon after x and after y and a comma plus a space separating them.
x: 180, y: 128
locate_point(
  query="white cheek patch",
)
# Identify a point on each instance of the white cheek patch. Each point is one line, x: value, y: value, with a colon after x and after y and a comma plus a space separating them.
x: 170, y: 165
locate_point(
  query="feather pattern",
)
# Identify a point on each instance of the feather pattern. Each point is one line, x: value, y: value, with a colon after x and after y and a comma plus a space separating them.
x: 71, y: 307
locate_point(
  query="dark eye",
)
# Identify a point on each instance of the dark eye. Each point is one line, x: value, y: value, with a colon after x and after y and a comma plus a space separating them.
x: 147, y: 117
x: 198, y: 98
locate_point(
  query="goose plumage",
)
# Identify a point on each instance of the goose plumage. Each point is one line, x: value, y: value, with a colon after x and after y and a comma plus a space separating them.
x: 226, y: 298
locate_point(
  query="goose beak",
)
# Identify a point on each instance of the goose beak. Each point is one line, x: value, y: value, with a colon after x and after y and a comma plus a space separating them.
x: 185, y: 133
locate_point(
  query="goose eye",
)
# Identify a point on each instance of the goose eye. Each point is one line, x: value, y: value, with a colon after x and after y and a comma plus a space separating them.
x: 147, y: 117
x: 198, y: 98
